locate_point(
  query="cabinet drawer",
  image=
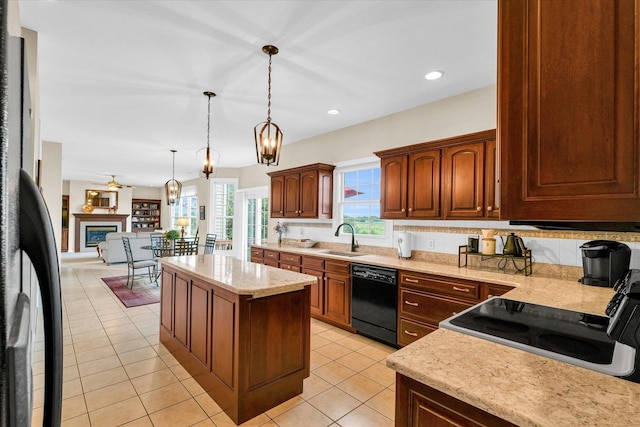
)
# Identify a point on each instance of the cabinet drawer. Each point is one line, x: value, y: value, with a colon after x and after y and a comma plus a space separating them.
x: 272, y: 255
x: 458, y: 288
x: 335, y: 266
x: 493, y: 290
x: 313, y: 263
x: 289, y: 267
x: 428, y: 308
x: 290, y: 259
x: 271, y: 262
x: 257, y: 253
x: 409, y: 331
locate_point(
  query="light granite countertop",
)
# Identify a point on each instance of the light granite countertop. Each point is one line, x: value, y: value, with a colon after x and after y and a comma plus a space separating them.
x: 240, y: 277
x: 523, y: 388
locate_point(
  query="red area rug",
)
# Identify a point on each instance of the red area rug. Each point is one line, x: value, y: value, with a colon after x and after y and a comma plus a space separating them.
x: 143, y: 293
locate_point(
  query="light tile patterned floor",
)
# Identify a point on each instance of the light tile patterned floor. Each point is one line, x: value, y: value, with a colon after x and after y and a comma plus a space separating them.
x: 117, y: 373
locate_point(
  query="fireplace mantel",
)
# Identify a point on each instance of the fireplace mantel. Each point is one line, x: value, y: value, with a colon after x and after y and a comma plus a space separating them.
x: 82, y: 217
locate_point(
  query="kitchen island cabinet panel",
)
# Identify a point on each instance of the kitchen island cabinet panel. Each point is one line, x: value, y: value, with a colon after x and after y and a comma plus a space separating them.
x: 199, y: 322
x: 223, y: 338
x: 569, y: 137
x: 181, y: 309
x: 166, y: 300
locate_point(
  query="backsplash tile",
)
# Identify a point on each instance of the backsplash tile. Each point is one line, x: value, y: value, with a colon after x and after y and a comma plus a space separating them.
x: 556, y: 252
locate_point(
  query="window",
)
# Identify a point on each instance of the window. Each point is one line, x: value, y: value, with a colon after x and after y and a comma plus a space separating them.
x: 185, y: 207
x: 359, y: 199
x: 223, y: 197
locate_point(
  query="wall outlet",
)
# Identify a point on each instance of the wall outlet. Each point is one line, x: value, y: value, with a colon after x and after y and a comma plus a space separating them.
x: 431, y: 244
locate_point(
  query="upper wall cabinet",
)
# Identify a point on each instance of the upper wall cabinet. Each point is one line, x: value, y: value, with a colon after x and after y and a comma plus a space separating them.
x: 568, y: 110
x: 450, y: 178
x: 303, y: 192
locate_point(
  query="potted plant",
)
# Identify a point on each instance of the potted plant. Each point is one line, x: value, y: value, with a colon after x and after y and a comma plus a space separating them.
x: 172, y: 235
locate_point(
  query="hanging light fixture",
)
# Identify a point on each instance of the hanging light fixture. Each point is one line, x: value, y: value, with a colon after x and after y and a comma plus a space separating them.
x: 208, y: 164
x: 268, y: 134
x: 172, y: 187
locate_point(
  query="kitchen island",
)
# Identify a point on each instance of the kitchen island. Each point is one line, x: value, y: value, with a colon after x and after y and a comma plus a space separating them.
x: 242, y: 330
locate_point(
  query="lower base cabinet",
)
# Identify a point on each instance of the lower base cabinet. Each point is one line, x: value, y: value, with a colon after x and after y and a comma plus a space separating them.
x: 249, y: 354
x: 418, y: 405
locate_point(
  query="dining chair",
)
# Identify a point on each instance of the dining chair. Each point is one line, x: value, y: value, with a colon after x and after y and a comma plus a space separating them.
x: 210, y: 243
x: 161, y: 246
x: 186, y: 246
x: 132, y: 266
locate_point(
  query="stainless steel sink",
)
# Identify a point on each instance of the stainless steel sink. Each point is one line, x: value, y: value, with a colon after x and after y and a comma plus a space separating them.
x: 349, y: 254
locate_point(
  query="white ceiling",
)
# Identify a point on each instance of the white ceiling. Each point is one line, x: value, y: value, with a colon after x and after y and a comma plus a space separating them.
x: 122, y: 81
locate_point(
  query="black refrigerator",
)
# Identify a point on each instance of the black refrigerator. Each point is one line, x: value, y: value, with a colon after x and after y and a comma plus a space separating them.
x: 27, y: 249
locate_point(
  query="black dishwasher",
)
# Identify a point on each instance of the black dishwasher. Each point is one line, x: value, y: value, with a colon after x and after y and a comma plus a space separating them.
x: 374, y: 302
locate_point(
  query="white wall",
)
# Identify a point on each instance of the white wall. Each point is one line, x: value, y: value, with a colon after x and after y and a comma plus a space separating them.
x: 469, y: 112
x: 51, y: 185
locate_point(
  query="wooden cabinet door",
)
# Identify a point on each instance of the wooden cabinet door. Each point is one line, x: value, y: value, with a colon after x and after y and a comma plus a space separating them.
x: 277, y: 197
x: 291, y: 195
x: 181, y: 309
x: 393, y: 191
x: 166, y: 299
x: 491, y: 180
x: 464, y: 181
x: 337, y: 298
x: 568, y: 110
x: 308, y: 194
x: 199, y: 322
x: 317, y: 291
x: 418, y: 405
x: 423, y: 186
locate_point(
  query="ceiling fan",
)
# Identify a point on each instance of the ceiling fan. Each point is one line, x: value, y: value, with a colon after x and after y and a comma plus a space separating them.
x: 113, y: 185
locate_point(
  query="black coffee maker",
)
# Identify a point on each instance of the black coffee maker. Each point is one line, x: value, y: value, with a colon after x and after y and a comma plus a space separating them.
x: 604, y: 262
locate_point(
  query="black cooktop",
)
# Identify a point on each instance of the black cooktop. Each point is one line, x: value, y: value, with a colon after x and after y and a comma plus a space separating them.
x: 576, y: 335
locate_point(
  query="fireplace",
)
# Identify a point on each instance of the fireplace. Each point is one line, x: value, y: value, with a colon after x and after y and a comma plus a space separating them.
x: 94, y: 234
x: 90, y: 229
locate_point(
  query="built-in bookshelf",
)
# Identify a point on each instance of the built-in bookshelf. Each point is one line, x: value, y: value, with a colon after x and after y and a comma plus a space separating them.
x: 145, y: 215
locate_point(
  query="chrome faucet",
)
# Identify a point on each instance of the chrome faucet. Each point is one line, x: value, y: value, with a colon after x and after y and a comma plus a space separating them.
x: 354, y: 245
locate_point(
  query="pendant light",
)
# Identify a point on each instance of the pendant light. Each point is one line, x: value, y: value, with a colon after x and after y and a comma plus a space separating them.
x: 172, y: 187
x: 267, y: 134
x: 208, y: 164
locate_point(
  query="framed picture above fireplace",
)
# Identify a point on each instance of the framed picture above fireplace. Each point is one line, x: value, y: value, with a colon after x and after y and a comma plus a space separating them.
x: 102, y: 199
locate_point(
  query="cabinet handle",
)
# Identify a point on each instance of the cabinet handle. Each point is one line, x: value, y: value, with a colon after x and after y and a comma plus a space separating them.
x: 410, y: 209
x: 489, y: 296
x: 454, y: 313
x: 479, y: 208
x: 281, y: 212
x: 411, y: 280
x: 403, y: 209
x: 455, y: 288
x: 489, y: 208
x: 413, y: 334
x: 415, y: 304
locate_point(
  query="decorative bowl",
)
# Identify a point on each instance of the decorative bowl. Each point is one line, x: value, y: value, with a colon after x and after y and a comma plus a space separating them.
x: 305, y: 243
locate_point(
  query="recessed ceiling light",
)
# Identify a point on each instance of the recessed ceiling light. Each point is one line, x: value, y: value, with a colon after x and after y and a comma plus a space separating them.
x: 333, y: 112
x: 433, y: 75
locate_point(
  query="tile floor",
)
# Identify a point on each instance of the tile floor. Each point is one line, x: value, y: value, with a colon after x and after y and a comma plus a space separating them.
x: 117, y: 373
